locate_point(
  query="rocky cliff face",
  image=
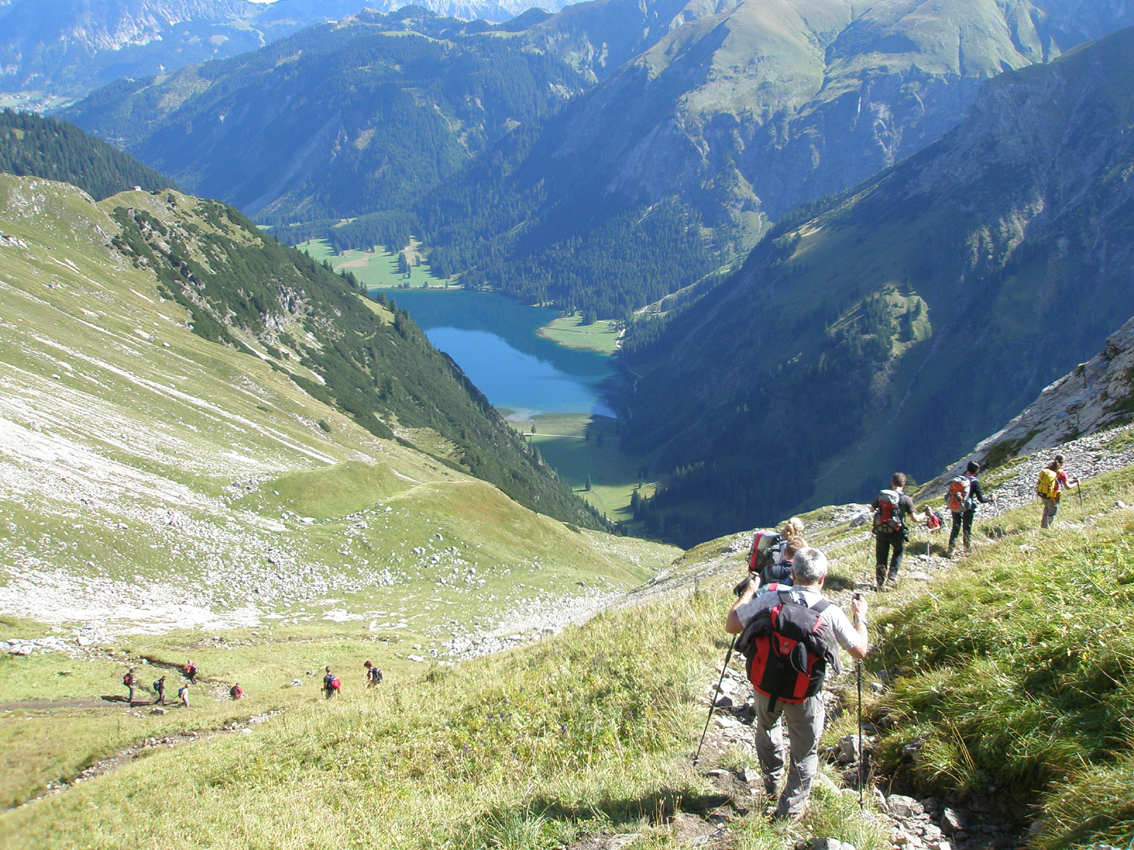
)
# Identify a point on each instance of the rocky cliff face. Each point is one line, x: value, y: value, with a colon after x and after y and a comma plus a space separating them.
x: 1096, y: 396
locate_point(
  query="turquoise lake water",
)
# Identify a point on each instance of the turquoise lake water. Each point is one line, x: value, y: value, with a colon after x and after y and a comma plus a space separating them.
x: 493, y: 339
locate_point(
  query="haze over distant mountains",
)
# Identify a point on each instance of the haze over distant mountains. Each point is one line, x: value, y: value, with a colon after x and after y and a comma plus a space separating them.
x: 704, y: 121
x: 54, y: 50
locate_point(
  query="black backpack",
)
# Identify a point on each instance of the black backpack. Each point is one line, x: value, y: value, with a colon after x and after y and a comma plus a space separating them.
x: 776, y: 574
x: 788, y: 649
x: 764, y: 547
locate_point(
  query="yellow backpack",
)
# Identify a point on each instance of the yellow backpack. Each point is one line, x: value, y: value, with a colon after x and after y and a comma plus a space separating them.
x: 1047, y: 484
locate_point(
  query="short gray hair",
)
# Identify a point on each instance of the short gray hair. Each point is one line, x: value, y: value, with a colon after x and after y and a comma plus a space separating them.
x: 809, y: 566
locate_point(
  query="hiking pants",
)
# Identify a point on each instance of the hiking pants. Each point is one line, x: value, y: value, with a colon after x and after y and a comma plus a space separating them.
x: 962, y: 519
x: 884, y: 542
x: 1050, y: 509
x: 804, y: 727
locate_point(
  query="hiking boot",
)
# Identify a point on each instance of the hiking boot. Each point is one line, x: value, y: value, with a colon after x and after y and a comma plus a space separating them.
x: 949, y: 553
x: 784, y: 815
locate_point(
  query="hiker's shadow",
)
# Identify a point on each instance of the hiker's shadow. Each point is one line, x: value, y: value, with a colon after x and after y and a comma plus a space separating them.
x: 118, y: 698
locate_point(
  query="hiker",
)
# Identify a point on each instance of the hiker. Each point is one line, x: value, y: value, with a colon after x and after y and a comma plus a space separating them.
x: 891, y: 507
x: 236, y: 692
x: 803, y: 718
x: 1052, y: 482
x: 963, y: 497
x: 373, y: 675
x: 159, y: 689
x: 768, y: 549
x: 183, y: 696
x: 130, y: 680
x: 191, y: 672
x: 778, y: 574
x: 331, y: 684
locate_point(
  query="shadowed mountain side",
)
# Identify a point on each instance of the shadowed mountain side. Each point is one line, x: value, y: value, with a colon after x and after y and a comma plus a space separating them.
x: 908, y: 318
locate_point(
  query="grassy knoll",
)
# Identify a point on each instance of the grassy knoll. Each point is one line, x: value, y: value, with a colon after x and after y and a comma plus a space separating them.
x: 581, y: 445
x: 570, y: 332
x: 379, y: 269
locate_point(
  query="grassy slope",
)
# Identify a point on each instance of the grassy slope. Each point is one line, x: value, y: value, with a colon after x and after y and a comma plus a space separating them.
x: 589, y: 732
x: 154, y: 480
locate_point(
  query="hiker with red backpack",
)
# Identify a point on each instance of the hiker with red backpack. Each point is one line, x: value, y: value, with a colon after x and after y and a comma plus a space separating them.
x: 331, y: 684
x: 130, y: 680
x: 962, y: 498
x: 891, y: 507
x: 1053, y: 480
x: 790, y: 638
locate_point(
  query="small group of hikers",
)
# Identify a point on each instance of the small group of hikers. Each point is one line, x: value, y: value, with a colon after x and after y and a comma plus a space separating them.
x: 130, y: 680
x: 332, y: 685
x: 892, y: 508
x: 788, y: 631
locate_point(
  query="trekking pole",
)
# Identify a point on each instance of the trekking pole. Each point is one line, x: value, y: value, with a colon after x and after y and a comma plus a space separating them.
x: 861, y: 749
x: 713, y: 698
x: 1079, y: 487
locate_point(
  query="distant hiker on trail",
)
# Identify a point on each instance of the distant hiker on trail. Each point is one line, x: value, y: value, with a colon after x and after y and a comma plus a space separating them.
x: 891, y: 507
x: 236, y: 692
x: 764, y: 617
x: 373, y: 675
x: 331, y: 684
x: 159, y: 689
x: 1052, y: 482
x: 183, y: 696
x: 191, y: 672
x: 130, y: 680
x: 962, y: 498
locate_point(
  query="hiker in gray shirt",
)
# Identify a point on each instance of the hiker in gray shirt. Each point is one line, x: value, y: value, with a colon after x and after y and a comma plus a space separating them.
x: 804, y: 720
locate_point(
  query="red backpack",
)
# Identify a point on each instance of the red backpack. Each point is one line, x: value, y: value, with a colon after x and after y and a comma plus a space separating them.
x: 888, y: 514
x: 789, y: 647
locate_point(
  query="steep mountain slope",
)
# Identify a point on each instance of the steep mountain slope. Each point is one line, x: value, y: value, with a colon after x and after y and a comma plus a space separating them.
x: 336, y: 121
x: 43, y: 147
x: 912, y: 316
x: 155, y: 478
x: 1094, y: 397
x: 710, y: 119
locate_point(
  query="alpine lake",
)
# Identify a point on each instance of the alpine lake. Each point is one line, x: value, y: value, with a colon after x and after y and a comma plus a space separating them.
x: 547, y: 374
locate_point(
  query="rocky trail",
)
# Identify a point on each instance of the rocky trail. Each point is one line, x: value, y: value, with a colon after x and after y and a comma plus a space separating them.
x: 990, y: 819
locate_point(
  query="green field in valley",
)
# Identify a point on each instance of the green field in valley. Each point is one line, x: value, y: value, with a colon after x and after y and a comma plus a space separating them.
x: 378, y: 269
x: 570, y: 332
x: 578, y: 445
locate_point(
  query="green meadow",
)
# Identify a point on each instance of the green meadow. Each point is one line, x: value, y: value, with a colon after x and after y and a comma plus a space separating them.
x: 578, y: 446
x: 570, y: 332
x: 378, y: 269
x: 588, y: 734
